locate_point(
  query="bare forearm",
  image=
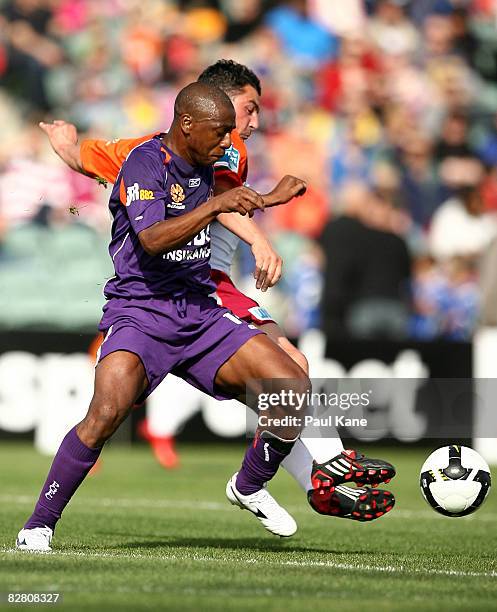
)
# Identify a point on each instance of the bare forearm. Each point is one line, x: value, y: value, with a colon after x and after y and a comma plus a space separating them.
x: 267, y: 261
x: 70, y: 154
x: 288, y: 187
x: 172, y: 233
x: 242, y: 226
x: 167, y: 235
x: 271, y: 200
x: 63, y: 137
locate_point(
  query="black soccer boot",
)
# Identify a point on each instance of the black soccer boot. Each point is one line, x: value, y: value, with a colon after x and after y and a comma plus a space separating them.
x: 351, y: 466
x: 351, y: 503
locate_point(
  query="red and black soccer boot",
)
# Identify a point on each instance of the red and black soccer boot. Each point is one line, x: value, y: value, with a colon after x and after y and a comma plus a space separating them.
x: 351, y: 466
x: 348, y: 502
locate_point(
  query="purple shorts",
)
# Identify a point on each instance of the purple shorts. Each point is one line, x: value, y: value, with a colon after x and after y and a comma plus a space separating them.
x: 190, y: 337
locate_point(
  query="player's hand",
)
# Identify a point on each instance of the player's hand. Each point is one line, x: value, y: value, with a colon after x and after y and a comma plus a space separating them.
x: 242, y: 200
x: 289, y: 187
x: 60, y: 133
x: 268, y: 264
x: 63, y: 137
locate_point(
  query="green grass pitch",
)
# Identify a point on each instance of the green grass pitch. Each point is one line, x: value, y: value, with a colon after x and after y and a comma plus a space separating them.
x: 136, y: 537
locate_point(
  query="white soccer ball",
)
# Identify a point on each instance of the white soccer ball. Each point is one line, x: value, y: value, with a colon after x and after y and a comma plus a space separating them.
x: 455, y: 480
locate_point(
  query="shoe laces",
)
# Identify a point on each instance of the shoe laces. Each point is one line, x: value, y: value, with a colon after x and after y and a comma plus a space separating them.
x: 263, y: 496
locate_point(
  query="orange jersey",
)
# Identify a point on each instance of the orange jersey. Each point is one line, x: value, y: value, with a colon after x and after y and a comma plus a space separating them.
x: 103, y: 159
x: 233, y: 165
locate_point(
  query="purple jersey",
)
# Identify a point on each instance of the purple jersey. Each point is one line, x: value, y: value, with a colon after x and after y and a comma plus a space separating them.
x: 155, y: 184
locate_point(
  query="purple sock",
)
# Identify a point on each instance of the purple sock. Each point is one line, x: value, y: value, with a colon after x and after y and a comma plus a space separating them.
x: 71, y: 464
x: 260, y: 464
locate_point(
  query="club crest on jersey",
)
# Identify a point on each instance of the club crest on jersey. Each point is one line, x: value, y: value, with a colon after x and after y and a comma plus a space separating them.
x: 177, y: 193
x: 194, y: 182
x: 177, y: 197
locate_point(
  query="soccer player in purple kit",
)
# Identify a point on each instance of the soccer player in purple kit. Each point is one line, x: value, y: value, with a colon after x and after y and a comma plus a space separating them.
x: 319, y: 465
x: 159, y: 317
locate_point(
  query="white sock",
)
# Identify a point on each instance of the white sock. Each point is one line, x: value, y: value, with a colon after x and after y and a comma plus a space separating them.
x: 299, y: 465
x: 299, y: 462
x: 323, y: 449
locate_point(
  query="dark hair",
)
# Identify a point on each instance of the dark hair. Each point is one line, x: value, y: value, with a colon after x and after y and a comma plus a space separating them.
x: 230, y: 76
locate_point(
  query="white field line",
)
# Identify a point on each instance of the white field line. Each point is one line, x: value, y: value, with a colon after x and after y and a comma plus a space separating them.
x: 177, y: 504
x: 359, y: 567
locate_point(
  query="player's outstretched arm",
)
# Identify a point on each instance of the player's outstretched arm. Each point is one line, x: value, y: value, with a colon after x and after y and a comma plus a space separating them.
x: 63, y: 137
x: 96, y: 158
x: 172, y: 233
x: 289, y: 187
x: 268, y: 264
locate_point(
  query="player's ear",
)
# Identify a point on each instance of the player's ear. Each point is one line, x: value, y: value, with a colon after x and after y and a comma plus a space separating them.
x: 186, y: 123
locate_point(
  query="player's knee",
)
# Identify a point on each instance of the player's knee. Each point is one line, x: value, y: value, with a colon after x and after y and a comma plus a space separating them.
x: 294, y: 353
x: 293, y: 371
x: 301, y: 383
x: 103, y: 419
x: 297, y: 386
x: 300, y: 359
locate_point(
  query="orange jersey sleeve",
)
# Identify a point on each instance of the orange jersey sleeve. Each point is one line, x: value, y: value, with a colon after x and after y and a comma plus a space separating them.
x: 104, y: 158
x: 233, y: 166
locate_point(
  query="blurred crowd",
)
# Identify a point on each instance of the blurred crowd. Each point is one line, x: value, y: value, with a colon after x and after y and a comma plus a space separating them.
x: 388, y: 108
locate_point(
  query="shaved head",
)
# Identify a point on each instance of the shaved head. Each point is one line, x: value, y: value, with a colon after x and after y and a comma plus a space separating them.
x: 204, y: 118
x: 202, y: 101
